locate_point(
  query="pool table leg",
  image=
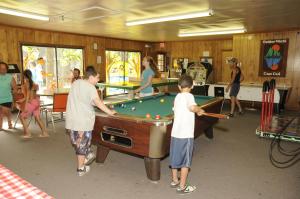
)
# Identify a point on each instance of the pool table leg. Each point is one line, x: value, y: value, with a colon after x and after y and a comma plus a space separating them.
x: 102, y: 153
x: 152, y: 166
x: 209, y: 132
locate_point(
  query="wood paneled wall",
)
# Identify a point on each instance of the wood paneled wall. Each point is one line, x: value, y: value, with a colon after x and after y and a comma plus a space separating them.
x: 12, y: 37
x: 245, y: 47
x: 193, y: 50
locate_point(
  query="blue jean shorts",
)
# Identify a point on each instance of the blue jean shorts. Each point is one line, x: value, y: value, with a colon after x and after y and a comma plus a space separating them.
x: 181, y: 152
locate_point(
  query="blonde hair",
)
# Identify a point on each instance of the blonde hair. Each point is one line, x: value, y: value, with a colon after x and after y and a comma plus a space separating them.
x: 152, y: 65
x: 233, y: 60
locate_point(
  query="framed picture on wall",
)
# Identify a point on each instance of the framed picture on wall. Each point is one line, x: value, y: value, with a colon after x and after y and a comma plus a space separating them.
x: 206, y: 60
x: 273, y: 57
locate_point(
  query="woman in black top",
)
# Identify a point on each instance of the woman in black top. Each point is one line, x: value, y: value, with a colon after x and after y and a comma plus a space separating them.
x: 236, y: 78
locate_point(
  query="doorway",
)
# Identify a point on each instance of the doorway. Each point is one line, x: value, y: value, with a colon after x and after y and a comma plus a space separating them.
x: 225, y: 66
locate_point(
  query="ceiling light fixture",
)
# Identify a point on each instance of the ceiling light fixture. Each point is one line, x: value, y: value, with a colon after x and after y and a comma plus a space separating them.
x: 170, y: 18
x: 220, y: 32
x: 24, y: 14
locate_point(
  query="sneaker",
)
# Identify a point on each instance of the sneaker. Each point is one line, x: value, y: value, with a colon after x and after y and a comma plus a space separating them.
x: 89, y: 159
x: 186, y: 189
x: 83, y: 171
x: 174, y: 184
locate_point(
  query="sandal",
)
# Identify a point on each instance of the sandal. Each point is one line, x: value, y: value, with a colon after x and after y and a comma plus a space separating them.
x: 43, y: 135
x: 241, y: 112
x: 174, y: 184
x: 186, y: 189
x: 26, y: 136
x: 230, y: 115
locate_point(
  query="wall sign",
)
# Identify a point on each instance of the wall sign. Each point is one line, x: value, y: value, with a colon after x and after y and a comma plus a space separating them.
x: 273, y: 57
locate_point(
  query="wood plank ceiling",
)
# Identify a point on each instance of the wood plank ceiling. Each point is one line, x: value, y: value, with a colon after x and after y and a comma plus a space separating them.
x: 107, y: 17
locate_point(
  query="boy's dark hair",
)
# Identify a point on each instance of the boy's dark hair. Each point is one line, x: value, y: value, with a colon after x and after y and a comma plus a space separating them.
x: 90, y: 71
x: 6, y: 65
x: 76, y: 69
x: 185, y: 81
x: 28, y: 74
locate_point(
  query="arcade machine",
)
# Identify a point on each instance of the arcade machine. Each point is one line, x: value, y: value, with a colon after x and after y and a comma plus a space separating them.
x: 200, y: 74
x: 176, y: 71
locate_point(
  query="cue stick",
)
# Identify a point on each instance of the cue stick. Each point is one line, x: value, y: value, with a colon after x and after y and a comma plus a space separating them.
x: 262, y: 124
x: 264, y: 110
x: 216, y: 115
x: 270, y: 104
x: 273, y: 82
x: 266, y: 116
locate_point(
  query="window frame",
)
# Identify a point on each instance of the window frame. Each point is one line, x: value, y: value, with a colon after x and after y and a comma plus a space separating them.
x: 164, y: 54
x: 123, y: 50
x: 55, y: 46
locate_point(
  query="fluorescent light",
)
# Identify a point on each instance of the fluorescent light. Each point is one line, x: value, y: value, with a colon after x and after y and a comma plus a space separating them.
x: 220, y: 32
x: 170, y: 18
x: 24, y: 14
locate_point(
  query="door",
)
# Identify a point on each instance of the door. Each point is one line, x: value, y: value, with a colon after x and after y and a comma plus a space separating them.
x: 226, y: 72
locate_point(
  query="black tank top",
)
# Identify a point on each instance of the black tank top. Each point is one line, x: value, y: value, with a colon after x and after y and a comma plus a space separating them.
x: 237, y: 76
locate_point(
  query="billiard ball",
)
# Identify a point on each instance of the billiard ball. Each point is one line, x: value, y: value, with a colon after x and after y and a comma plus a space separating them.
x: 140, y: 101
x: 111, y: 106
x: 157, y: 117
x: 122, y: 105
x: 133, y: 108
x: 148, y: 115
x: 162, y: 100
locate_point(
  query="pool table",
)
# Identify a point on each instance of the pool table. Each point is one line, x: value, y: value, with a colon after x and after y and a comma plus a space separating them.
x: 137, y: 84
x: 131, y: 86
x: 130, y: 131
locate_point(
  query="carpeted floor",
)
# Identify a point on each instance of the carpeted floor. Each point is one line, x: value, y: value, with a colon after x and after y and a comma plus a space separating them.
x: 234, y: 165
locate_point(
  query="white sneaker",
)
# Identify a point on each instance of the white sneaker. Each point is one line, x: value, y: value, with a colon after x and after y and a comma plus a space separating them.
x: 89, y: 159
x: 186, y: 189
x: 83, y: 171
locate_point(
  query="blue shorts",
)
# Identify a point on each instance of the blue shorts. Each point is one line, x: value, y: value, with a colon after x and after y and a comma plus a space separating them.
x: 81, y: 145
x: 181, y: 152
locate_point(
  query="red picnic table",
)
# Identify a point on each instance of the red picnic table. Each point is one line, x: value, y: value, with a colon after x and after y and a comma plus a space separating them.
x: 14, y: 187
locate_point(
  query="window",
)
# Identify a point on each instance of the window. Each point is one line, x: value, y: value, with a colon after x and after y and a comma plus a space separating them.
x: 120, y: 67
x: 161, y: 62
x: 52, y: 67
